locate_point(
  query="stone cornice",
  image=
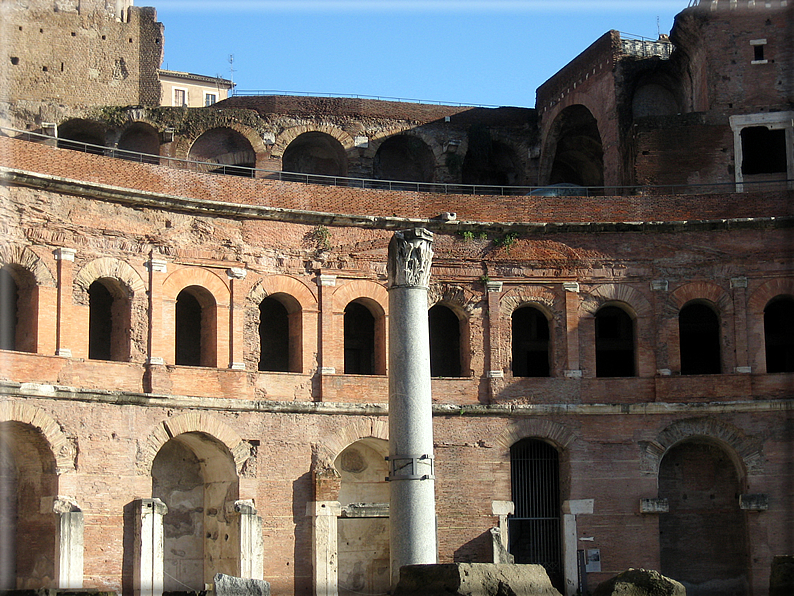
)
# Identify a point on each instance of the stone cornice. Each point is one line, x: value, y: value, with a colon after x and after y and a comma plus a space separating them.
x: 139, y: 198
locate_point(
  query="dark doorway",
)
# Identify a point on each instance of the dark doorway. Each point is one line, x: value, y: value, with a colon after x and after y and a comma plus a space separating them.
x: 779, y: 334
x: 763, y: 151
x: 406, y: 158
x: 444, y: 342
x: 535, y: 532
x: 699, y: 333
x: 274, y: 341
x: 614, y: 331
x: 359, y: 340
x: 100, y: 322
x: 188, y: 329
x: 703, y: 536
x: 9, y: 297
x: 530, y: 343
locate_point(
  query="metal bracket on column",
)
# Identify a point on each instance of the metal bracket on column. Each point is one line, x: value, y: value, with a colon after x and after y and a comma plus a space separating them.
x: 411, y: 467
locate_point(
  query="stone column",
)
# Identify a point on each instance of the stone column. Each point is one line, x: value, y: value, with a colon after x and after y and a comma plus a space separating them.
x: 156, y: 375
x: 570, y: 509
x: 739, y: 287
x: 149, y: 544
x: 324, y: 548
x: 331, y: 348
x: 252, y: 548
x: 412, y: 517
x: 69, y: 542
x: 63, y: 332
x: 573, y: 368
x: 236, y: 276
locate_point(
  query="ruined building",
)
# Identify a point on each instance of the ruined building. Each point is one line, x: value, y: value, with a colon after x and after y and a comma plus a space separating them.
x: 194, y: 314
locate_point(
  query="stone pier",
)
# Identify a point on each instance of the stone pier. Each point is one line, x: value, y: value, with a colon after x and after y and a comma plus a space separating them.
x: 412, y: 515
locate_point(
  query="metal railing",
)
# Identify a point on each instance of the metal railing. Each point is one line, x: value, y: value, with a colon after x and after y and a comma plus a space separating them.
x: 209, y: 167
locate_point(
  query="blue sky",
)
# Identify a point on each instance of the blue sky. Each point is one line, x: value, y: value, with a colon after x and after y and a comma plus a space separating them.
x: 454, y: 51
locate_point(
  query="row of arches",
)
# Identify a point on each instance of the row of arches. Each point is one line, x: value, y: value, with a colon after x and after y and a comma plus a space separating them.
x: 278, y: 316
x: 235, y: 150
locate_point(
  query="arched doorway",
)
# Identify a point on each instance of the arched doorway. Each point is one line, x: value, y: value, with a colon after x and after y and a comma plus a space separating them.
x: 578, y: 151
x: 535, y: 529
x: 109, y: 320
x: 196, y: 330
x: 227, y: 148
x: 406, y: 158
x: 363, y: 528
x: 280, y: 334
x: 139, y: 142
x: 445, y: 352
x: 699, y: 333
x: 530, y: 339
x: 703, y: 537
x: 614, y: 335
x: 779, y: 334
x: 82, y: 135
x: 315, y: 153
x: 195, y: 476
x: 27, y: 535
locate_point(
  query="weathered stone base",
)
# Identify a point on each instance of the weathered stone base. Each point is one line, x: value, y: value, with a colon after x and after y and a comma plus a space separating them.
x: 640, y: 582
x: 474, y: 579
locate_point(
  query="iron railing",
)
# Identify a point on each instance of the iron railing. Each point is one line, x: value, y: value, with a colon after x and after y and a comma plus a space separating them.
x: 397, y: 185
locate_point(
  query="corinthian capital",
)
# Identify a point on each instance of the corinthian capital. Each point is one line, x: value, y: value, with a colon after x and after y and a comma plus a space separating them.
x: 410, y: 256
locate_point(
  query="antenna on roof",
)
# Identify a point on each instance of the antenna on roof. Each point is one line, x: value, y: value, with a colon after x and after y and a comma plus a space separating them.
x: 231, y: 68
x: 658, y: 28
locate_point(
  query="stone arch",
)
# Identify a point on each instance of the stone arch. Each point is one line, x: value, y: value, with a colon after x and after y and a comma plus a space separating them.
x: 702, y: 291
x: 606, y: 293
x: 204, y: 278
x: 766, y: 291
x: 327, y: 450
x: 463, y: 302
x: 747, y: 451
x: 285, y: 138
x: 111, y: 268
x: 62, y: 449
x: 539, y: 296
x: 139, y: 137
x: 22, y: 256
x: 558, y: 434
x: 490, y: 159
x: 185, y: 143
x: 191, y: 422
x: 573, y: 150
x: 425, y: 149
x: 282, y: 284
x: 361, y: 289
x: 75, y: 132
x: 782, y: 288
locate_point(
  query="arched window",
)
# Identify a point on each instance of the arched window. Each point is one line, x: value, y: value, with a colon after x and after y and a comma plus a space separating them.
x: 703, y: 536
x: 228, y: 150
x: 9, y: 299
x: 535, y: 531
x: 579, y: 154
x: 100, y: 323
x: 444, y: 342
x: 195, y: 327
x: 530, y: 343
x: 404, y: 157
x: 359, y: 340
x: 699, y: 332
x: 779, y: 334
x: 614, y: 332
x: 315, y: 153
x: 274, y: 336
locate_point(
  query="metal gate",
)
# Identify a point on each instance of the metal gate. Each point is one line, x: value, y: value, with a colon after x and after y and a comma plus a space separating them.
x: 535, y: 533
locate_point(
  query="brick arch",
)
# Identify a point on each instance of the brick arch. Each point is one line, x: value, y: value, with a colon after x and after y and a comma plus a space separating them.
x: 333, y: 444
x: 285, y: 138
x: 185, y: 143
x: 107, y: 267
x: 603, y: 294
x: 701, y: 290
x: 558, y: 434
x: 528, y: 296
x: 746, y: 451
x: 454, y: 296
x: 766, y: 291
x: 62, y: 449
x: 376, y: 141
x: 22, y: 256
x: 361, y: 288
x: 275, y: 284
x: 198, y: 422
x: 204, y: 278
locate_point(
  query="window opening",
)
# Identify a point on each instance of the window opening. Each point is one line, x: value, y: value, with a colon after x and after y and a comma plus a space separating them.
x: 359, y: 340
x: 9, y: 300
x: 699, y: 334
x: 209, y: 99
x: 614, y: 343
x: 763, y: 150
x: 274, y: 341
x: 530, y: 343
x: 444, y: 342
x: 100, y: 322
x: 758, y: 52
x: 779, y: 335
x: 188, y: 329
x: 180, y: 97
x: 535, y: 531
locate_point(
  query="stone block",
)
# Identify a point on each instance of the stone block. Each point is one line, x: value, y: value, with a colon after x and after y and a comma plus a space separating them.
x: 474, y: 579
x: 228, y: 585
x: 640, y: 582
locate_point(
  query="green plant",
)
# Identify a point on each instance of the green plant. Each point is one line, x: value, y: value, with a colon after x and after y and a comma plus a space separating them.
x: 322, y: 236
x: 484, y: 279
x: 467, y: 235
x: 507, y: 241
